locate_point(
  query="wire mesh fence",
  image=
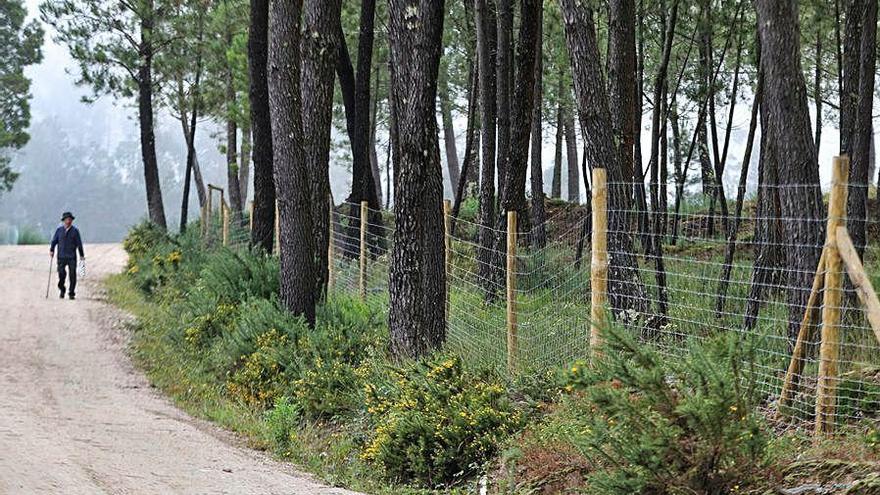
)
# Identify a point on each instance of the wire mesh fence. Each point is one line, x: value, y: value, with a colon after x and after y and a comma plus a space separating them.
x: 675, y: 276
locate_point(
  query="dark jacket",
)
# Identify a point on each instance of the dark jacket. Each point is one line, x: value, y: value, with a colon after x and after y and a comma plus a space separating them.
x: 68, y: 242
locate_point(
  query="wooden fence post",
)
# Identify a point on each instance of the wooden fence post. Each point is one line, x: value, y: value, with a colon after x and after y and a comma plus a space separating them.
x: 224, y: 211
x: 512, y: 338
x: 210, y: 207
x: 599, y: 259
x: 331, y: 268
x: 829, y: 350
x: 860, y: 280
x: 447, y: 206
x: 362, y: 278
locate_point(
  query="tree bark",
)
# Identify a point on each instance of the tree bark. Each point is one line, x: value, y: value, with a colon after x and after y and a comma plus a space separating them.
x: 452, y: 165
x: 190, y: 137
x: 320, y: 47
x: 356, y: 99
x: 556, y: 186
x: 571, y: 154
x: 155, y: 206
x: 263, y: 231
x: 504, y: 29
x: 626, y: 291
x: 486, y: 46
x: 622, y: 80
x: 470, y: 174
x: 296, y: 275
x: 740, y: 192
x: 513, y: 196
x: 655, y: 245
x: 538, y: 235
x: 862, y: 129
x: 232, y: 182
x: 417, y: 281
x: 785, y: 96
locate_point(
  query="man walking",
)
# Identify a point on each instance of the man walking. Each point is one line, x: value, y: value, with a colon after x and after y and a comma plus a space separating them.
x: 68, y: 240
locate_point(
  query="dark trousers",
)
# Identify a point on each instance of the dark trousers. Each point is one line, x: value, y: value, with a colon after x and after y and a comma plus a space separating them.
x: 65, y: 265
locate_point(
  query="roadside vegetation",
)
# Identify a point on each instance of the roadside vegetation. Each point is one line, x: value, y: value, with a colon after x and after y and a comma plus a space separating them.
x: 210, y: 333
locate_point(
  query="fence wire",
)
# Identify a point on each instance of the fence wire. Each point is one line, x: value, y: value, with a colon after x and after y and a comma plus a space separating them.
x: 695, y: 273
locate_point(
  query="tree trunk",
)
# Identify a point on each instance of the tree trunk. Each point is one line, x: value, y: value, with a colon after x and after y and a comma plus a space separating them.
x: 626, y: 291
x: 452, y: 165
x: 571, y: 154
x: 232, y: 183
x: 817, y: 90
x: 513, y: 196
x: 556, y: 186
x: 417, y: 280
x: 486, y: 40
x: 862, y: 135
x: 850, y: 74
x: 374, y: 155
x: 655, y: 245
x: 538, y: 235
x: 296, y: 275
x: 469, y: 176
x: 356, y: 99
x: 622, y: 80
x: 320, y: 47
x: 789, y: 125
x: 504, y: 28
x: 155, y: 206
x: 197, y: 171
x: 190, y: 141
x: 740, y: 192
x: 263, y: 231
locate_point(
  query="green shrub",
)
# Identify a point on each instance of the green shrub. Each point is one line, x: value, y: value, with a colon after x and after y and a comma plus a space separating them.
x: 282, y: 422
x: 29, y: 236
x: 231, y: 276
x: 142, y: 239
x: 650, y: 424
x: 260, y: 378
x: 434, y: 423
x: 327, y: 389
x: 205, y: 328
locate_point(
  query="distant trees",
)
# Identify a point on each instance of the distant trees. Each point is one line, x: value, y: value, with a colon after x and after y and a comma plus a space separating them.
x: 20, y: 46
x: 114, y: 45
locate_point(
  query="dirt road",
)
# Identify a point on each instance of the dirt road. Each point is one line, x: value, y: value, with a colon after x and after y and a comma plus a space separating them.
x: 77, y: 418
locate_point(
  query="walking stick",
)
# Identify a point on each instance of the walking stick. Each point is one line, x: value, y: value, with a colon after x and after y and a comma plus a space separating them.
x: 49, y: 282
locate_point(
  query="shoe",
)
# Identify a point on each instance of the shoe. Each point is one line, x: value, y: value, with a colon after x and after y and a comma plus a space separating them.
x: 72, y: 297
x: 62, y: 295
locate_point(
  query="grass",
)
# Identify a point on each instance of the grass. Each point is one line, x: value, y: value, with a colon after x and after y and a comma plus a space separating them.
x: 553, y: 301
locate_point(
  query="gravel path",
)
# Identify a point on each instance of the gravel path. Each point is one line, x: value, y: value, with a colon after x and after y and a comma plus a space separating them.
x: 77, y: 418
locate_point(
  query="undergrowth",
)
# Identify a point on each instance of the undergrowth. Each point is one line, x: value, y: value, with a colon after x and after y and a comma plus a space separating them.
x: 211, y: 333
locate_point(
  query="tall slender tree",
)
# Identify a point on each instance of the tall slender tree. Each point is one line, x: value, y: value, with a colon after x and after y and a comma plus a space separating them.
x: 485, y: 21
x: 296, y: 275
x: 626, y: 291
x: 320, y: 47
x: 263, y: 231
x: 417, y: 316
x: 788, y: 123
x: 539, y: 232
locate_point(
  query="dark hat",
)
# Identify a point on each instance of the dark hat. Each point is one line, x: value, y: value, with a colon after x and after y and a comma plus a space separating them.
x: 66, y: 215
